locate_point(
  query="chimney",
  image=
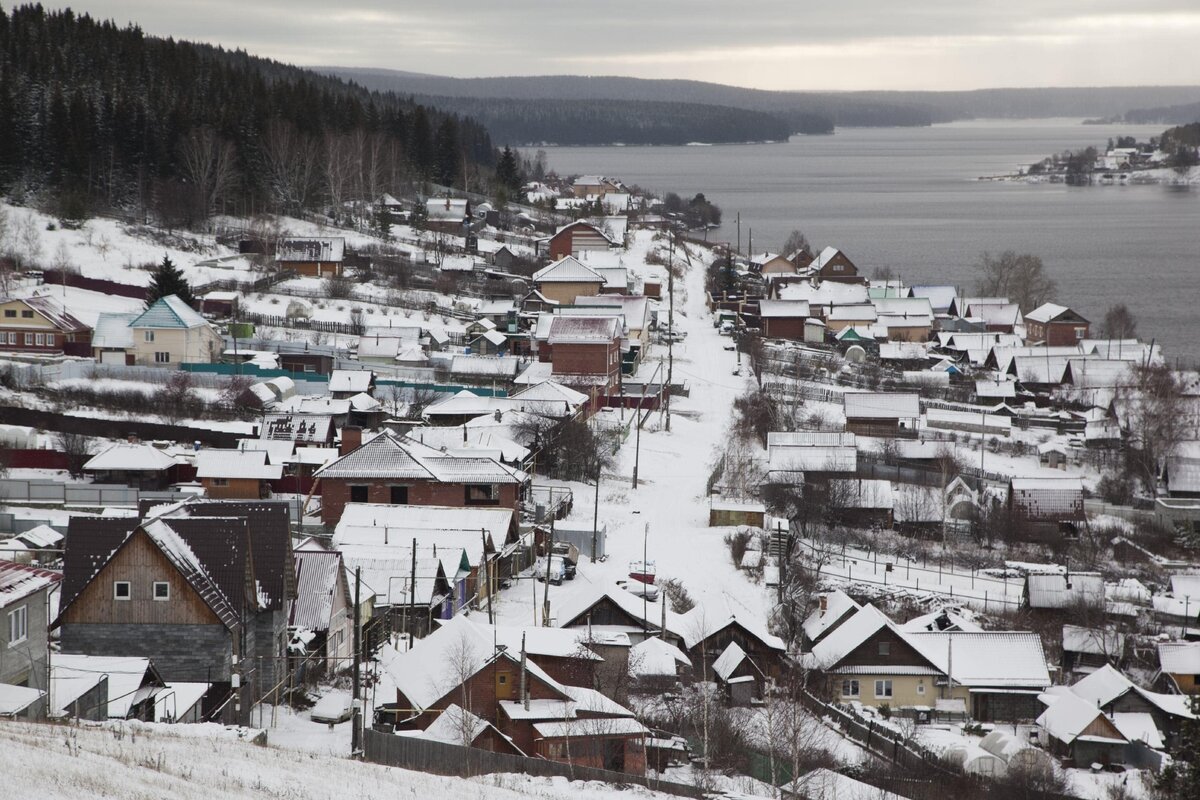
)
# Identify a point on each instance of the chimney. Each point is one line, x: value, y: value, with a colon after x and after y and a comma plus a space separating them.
x: 351, y: 439
x: 824, y: 604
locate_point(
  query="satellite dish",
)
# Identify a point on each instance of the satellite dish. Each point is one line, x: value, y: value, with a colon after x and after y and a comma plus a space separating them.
x: 855, y: 354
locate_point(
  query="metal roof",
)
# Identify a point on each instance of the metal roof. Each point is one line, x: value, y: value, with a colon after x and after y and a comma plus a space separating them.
x: 319, y: 576
x: 567, y: 270
x: 169, y: 312
x: 882, y: 405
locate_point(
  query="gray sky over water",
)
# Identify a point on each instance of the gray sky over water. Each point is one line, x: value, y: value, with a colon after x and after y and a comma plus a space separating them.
x: 768, y: 44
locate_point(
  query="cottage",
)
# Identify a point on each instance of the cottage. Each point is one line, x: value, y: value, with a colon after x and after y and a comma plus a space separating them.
x: 345, y: 383
x: 448, y: 215
x: 810, y: 456
x: 1048, y: 502
x: 831, y: 264
x: 574, y: 239
x: 24, y: 642
x: 784, y: 319
x: 738, y: 675
x: 392, y: 470
x: 40, y: 326
x: 658, y: 666
x: 323, y: 607
x: 882, y: 413
x: 1112, y: 692
x: 317, y: 257
x: 236, y: 474
x: 1065, y: 590
x: 1074, y: 728
x: 597, y: 185
x: 566, y: 279
x: 100, y: 688
x: 1087, y: 649
x: 1055, y: 325
x: 772, y: 264
x: 170, y: 333
x: 134, y: 464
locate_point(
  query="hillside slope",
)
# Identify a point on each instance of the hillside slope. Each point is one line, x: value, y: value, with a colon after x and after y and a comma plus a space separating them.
x: 201, y: 762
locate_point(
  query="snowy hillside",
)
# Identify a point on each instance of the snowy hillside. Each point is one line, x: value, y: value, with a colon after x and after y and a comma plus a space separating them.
x: 202, y: 761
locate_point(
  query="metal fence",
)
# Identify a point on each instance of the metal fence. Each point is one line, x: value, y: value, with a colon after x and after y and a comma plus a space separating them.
x: 23, y: 490
x: 440, y: 758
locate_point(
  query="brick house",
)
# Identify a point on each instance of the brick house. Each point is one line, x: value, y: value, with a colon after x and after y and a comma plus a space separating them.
x: 40, y: 325
x: 585, y: 346
x: 24, y: 614
x: 191, y: 589
x: 392, y: 470
x: 1055, y: 326
x: 318, y: 257
x: 575, y: 238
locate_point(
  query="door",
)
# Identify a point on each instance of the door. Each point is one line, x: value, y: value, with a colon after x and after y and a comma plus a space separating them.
x: 614, y: 755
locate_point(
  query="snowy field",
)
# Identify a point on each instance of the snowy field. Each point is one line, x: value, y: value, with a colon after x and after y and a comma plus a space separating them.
x: 203, y: 762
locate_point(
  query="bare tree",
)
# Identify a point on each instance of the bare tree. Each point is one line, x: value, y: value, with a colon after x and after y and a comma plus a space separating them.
x: 77, y: 448
x: 209, y: 163
x: 1119, y: 323
x: 798, y: 242
x: 290, y: 160
x: 1155, y: 418
x: 1020, y: 277
x: 338, y: 169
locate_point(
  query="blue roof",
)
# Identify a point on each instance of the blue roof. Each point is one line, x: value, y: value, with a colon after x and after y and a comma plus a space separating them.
x: 168, y: 312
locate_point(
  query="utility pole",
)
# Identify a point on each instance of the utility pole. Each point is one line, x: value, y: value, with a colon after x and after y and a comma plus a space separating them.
x: 412, y: 591
x: 356, y: 723
x: 670, y: 324
x: 487, y: 572
x: 546, y: 593
x: 739, y: 229
x: 637, y: 447
x: 596, y: 513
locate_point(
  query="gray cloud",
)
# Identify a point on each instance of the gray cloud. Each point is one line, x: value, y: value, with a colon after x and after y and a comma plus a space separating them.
x: 776, y: 44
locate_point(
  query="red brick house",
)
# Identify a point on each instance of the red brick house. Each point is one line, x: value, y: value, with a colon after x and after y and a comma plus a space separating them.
x: 1055, y: 326
x: 585, y: 346
x: 573, y: 239
x: 40, y: 325
x: 391, y: 470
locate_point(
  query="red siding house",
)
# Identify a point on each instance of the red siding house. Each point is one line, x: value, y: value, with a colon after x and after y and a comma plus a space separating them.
x: 783, y: 319
x: 573, y: 239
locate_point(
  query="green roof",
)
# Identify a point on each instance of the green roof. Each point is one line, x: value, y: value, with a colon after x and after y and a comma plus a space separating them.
x: 168, y: 312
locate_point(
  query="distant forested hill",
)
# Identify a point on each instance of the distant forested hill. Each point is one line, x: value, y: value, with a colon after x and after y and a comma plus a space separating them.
x: 584, y: 122
x: 100, y: 114
x: 1169, y: 115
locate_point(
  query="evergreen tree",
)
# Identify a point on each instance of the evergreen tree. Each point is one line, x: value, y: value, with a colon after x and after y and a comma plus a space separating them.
x: 168, y: 280
x: 508, y: 173
x: 1180, y: 780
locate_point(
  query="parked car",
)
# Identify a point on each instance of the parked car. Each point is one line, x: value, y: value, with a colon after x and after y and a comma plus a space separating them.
x: 556, y: 570
x: 570, y: 556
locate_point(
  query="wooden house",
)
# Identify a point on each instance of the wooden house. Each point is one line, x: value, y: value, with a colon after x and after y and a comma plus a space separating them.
x: 236, y: 474
x: 831, y: 264
x: 573, y: 239
x: 316, y: 257
x: 882, y: 413
x: 1179, y: 664
x: 566, y: 279
x: 323, y: 606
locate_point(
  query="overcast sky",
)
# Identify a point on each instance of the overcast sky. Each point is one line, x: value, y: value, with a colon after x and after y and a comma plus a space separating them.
x: 768, y: 44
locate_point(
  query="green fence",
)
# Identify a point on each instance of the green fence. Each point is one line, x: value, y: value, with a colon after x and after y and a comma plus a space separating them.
x: 253, y: 371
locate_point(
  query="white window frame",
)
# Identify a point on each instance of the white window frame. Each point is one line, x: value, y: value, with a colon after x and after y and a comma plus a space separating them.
x: 12, y: 338
x: 40, y: 339
x: 886, y: 685
x: 154, y: 591
x: 29, y: 340
x: 851, y: 682
x: 147, y: 336
x: 18, y: 625
x: 128, y: 590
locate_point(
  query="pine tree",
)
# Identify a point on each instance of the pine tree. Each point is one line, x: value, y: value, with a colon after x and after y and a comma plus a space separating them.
x: 168, y: 280
x: 508, y: 173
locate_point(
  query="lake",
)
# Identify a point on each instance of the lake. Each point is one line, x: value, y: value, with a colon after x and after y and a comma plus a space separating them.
x: 908, y: 199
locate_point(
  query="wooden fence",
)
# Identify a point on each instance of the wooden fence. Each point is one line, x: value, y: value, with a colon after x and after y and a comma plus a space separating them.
x: 77, y: 281
x: 440, y: 758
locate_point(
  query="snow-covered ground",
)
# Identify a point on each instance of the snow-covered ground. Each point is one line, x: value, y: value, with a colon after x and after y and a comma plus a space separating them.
x: 186, y: 762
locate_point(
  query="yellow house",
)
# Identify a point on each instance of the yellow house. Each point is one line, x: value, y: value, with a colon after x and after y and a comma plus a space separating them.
x: 566, y: 279
x: 170, y: 333
x: 994, y: 675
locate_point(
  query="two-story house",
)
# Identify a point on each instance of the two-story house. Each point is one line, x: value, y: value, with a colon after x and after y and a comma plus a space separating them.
x: 40, y: 326
x: 170, y: 333
x: 24, y: 614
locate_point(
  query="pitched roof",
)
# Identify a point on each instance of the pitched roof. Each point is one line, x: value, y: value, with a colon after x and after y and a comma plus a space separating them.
x: 1069, y: 715
x: 567, y: 270
x: 707, y: 619
x: 1049, y: 312
x: 882, y: 405
x: 1179, y: 658
x: 730, y: 659
x: 316, y: 248
x: 319, y: 576
x: 236, y: 465
x: 18, y: 581
x: 780, y: 309
x: 72, y: 675
x: 584, y: 330
x: 169, y: 312
x: 390, y: 456
x: 54, y: 313
x: 837, y: 603
x: 129, y: 457
x: 653, y: 656
x: 112, y: 330
x: 350, y: 380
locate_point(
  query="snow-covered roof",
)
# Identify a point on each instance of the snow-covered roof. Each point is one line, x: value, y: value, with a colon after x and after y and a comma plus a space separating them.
x: 72, y: 676
x: 485, y: 366
x: 18, y: 581
x: 882, y: 405
x: 940, y: 297
x: 779, y: 309
x: 389, y: 456
x: 567, y: 270
x: 1139, y: 726
x: 296, y: 428
x: 862, y: 493
x: 1048, y: 312
x: 655, y: 657
x: 446, y: 208
x: 824, y: 257
x: 584, y: 330
x: 40, y: 536
x: 15, y: 699
x: 1068, y: 716
x: 576, y: 728
x: 236, y: 465
x: 994, y: 389
x: 317, y: 248
x: 405, y: 522
x: 708, y: 618
x: 1061, y: 591
x: 729, y: 660
x: 318, y: 579
x: 550, y: 392
x: 1179, y: 658
x: 112, y: 331
x: 1108, y: 683
x: 1093, y: 641
x: 129, y: 457
x: 985, y: 658
x: 167, y: 313
x: 53, y: 312
x: 350, y: 380
x: 837, y: 603
x: 825, y: 784
x: 852, y: 313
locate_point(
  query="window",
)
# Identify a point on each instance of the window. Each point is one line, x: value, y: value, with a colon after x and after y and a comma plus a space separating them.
x: 10, y: 313
x: 162, y: 358
x: 12, y: 338
x: 309, y: 368
x: 49, y: 340
x: 359, y: 494
x: 1080, y: 333
x: 883, y: 689
x: 220, y: 481
x: 121, y: 590
x: 885, y: 648
x: 502, y: 678
x: 26, y: 314
x: 29, y: 340
x: 849, y: 688
x: 148, y: 336
x: 399, y: 495
x: 18, y: 625
x: 40, y: 339
x: 482, y: 494
x: 162, y: 590
x: 839, y: 267
x: 921, y: 687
